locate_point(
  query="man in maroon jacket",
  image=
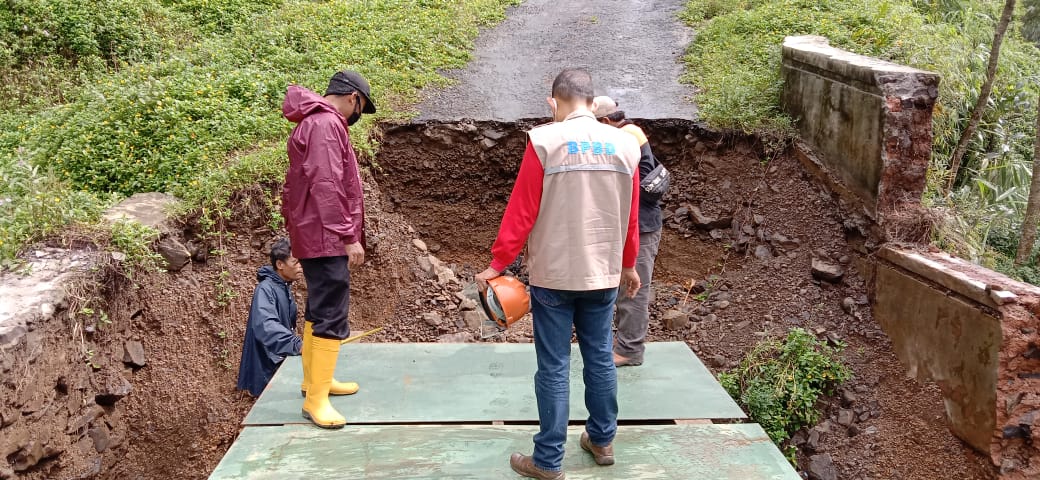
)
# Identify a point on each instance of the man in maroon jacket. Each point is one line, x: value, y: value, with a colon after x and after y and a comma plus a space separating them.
x: 323, y: 207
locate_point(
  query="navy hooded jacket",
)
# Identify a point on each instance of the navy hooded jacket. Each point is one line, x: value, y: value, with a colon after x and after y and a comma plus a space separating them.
x: 270, y: 333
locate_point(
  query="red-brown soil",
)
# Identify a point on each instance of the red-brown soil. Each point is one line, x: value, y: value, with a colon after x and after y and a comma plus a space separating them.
x: 444, y: 185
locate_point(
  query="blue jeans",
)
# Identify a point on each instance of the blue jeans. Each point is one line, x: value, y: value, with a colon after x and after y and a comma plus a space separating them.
x: 591, y: 316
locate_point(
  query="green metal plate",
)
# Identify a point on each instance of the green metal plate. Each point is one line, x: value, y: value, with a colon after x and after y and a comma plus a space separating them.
x: 468, y: 382
x: 738, y: 452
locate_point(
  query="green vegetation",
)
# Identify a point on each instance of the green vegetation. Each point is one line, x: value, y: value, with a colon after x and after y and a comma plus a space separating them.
x: 186, y: 98
x: 779, y: 382
x: 735, y: 62
x: 135, y: 241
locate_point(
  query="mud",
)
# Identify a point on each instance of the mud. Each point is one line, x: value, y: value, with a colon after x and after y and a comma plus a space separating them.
x: 447, y: 185
x: 631, y: 47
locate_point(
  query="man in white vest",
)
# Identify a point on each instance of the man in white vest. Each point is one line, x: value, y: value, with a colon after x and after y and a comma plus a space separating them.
x: 575, y: 203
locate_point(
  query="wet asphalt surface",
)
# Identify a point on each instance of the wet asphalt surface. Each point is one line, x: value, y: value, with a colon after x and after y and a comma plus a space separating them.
x: 633, y: 49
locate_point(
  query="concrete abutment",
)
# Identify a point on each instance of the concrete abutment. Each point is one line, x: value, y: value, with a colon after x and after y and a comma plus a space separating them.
x: 865, y: 130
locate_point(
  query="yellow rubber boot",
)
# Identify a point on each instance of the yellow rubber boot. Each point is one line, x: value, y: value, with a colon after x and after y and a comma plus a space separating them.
x: 316, y: 406
x: 337, y: 388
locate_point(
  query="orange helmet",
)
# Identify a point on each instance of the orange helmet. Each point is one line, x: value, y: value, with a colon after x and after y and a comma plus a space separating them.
x: 506, y: 300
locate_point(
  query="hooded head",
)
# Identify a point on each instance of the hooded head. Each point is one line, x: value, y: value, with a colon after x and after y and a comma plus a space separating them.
x: 300, y: 102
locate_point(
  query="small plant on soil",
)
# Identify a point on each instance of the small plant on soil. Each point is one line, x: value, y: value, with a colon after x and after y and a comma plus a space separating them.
x: 225, y: 290
x: 135, y: 241
x: 779, y: 382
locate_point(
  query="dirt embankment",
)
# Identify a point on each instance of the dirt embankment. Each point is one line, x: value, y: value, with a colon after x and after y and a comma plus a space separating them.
x: 742, y: 223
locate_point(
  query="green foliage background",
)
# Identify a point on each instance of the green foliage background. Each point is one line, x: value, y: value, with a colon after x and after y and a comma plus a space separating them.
x: 735, y: 62
x: 162, y: 95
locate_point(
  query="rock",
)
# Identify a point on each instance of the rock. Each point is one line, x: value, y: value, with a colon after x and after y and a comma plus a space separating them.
x: 148, y: 209
x: 722, y: 296
x: 722, y: 305
x: 468, y: 304
x: 848, y: 398
x: 175, y: 253
x: 432, y: 319
x: 118, y: 256
x: 100, y: 437
x: 758, y: 219
x: 114, y: 388
x: 199, y: 252
x: 763, y: 253
x: 826, y: 271
x: 718, y: 361
x: 445, y: 276
x: 784, y: 242
x: 871, y: 431
x: 718, y: 234
x: 705, y: 222
x: 430, y: 265
x: 421, y: 245
x: 493, y: 134
x: 813, y: 442
x: 92, y: 413
x: 473, y: 318
x: 133, y: 354
x: 15, y: 441
x: 848, y: 304
x: 711, y: 317
x: 675, y: 319
x: 28, y: 456
x: 11, y: 333
x: 461, y: 337
x: 682, y: 212
x: 800, y: 437
x: 846, y: 417
x: 488, y: 143
x: 821, y: 467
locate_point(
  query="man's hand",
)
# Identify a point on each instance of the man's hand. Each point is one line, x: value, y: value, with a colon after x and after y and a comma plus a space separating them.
x: 355, y: 255
x: 630, y: 282
x: 483, y: 277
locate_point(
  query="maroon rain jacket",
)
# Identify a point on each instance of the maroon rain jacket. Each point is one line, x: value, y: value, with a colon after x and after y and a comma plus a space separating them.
x: 322, y: 200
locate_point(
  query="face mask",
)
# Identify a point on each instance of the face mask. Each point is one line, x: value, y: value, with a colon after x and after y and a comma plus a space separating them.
x: 354, y: 117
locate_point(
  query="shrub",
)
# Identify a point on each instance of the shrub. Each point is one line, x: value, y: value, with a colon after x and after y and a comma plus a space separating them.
x: 735, y: 59
x: 174, y: 123
x: 779, y: 383
x: 34, y: 203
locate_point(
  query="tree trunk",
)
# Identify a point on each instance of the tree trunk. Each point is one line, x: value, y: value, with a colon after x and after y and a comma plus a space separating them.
x: 1029, y: 223
x: 980, y: 105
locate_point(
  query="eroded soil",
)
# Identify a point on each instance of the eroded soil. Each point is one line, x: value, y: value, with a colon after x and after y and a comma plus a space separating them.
x: 447, y: 185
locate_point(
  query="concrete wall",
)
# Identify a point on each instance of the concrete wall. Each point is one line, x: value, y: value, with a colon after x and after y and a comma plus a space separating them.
x: 865, y: 130
x: 974, y: 332
x: 868, y: 122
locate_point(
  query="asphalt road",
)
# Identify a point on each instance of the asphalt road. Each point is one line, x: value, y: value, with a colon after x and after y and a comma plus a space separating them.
x: 633, y: 49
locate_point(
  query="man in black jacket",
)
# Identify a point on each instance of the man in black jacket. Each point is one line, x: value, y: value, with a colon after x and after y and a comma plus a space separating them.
x: 633, y: 314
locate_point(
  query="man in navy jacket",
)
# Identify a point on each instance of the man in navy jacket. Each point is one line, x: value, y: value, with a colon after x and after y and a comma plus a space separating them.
x: 270, y: 333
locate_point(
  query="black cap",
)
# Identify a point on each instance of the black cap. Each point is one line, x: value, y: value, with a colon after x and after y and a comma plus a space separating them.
x: 349, y: 81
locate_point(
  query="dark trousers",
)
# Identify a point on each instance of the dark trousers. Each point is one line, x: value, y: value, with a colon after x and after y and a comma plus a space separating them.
x: 633, y: 314
x: 328, y: 296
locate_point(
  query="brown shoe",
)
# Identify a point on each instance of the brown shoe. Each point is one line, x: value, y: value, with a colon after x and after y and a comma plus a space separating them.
x: 620, y: 361
x: 603, y: 455
x: 524, y: 465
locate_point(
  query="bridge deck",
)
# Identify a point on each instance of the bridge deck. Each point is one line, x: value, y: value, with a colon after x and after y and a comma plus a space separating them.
x: 432, y: 411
